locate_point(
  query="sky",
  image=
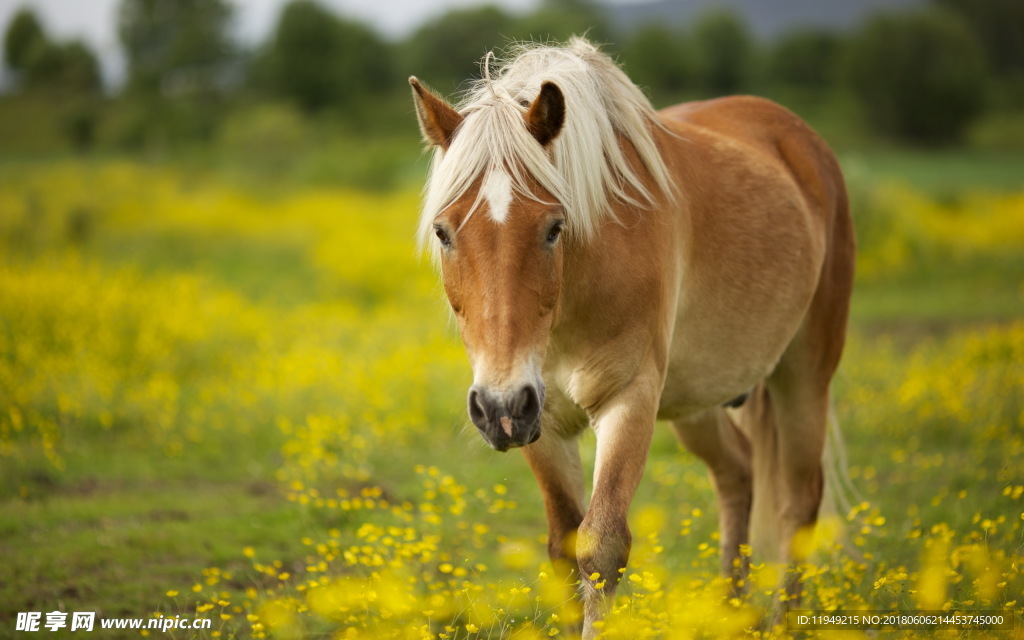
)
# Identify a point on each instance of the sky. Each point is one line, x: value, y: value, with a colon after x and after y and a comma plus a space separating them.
x: 94, y: 21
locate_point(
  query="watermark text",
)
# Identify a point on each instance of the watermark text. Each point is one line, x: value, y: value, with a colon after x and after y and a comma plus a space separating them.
x: 41, y: 621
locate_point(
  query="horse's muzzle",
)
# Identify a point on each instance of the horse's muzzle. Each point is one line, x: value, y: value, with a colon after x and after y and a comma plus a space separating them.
x: 507, y: 420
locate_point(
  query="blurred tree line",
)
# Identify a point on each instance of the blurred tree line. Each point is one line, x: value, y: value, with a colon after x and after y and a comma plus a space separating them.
x: 922, y: 77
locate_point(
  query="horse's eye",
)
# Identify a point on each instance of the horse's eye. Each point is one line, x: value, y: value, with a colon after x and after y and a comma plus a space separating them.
x: 556, y: 230
x: 442, y: 235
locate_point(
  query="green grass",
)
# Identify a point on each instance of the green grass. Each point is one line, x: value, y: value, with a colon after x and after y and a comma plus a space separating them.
x: 944, y: 173
x: 124, y: 523
x: 117, y: 548
x: 936, y: 296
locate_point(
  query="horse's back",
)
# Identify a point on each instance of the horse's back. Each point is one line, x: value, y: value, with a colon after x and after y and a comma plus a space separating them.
x: 771, y: 130
x: 755, y: 120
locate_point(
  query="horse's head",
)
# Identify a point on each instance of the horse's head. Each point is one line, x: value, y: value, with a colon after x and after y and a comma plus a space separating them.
x: 501, y: 254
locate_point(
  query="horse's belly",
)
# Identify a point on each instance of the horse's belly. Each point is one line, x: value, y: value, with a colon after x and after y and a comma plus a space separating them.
x: 722, y: 349
x: 692, y: 386
x: 688, y: 391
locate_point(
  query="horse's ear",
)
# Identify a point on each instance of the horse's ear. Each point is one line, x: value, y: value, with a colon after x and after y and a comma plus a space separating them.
x: 438, y: 120
x: 547, y: 114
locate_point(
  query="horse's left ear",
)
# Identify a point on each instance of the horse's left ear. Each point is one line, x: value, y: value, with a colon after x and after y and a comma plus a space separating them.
x: 547, y: 114
x: 438, y: 119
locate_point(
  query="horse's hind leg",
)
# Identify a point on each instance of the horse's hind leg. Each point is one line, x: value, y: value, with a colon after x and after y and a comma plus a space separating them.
x: 797, y: 416
x: 789, y: 423
x: 712, y: 436
x: 788, y: 428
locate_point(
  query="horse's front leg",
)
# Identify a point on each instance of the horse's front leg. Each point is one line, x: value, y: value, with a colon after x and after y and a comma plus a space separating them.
x: 624, y: 426
x: 555, y: 461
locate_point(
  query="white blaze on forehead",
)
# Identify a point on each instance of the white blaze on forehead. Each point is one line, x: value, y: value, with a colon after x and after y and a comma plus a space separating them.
x: 497, y: 190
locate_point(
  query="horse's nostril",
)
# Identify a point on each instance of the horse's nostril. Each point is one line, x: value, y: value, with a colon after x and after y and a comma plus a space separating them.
x: 526, y: 404
x: 477, y: 411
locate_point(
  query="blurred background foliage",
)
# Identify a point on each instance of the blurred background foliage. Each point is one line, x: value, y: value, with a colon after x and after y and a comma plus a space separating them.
x: 944, y: 73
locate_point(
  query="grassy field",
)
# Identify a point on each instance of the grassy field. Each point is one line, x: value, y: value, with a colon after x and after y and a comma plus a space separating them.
x: 246, y: 406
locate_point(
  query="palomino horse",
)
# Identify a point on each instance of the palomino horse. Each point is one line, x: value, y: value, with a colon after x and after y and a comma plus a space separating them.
x: 609, y: 266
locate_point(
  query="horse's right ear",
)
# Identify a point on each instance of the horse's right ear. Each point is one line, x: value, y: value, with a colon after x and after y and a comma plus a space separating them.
x: 438, y: 120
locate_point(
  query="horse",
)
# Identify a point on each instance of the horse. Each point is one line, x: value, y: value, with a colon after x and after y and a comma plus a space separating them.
x: 609, y: 265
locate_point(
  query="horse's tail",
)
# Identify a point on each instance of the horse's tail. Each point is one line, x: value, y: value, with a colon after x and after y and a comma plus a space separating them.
x: 840, y: 492
x: 760, y: 430
x: 837, y: 493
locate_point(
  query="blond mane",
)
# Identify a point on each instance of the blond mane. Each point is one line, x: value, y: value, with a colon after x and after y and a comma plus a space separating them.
x: 585, y: 168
